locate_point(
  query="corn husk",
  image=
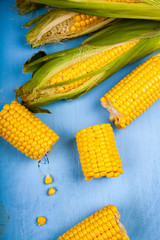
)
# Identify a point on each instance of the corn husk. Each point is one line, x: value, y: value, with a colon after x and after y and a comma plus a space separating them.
x: 144, y: 9
x: 36, y: 93
x: 54, y: 25
x: 25, y: 6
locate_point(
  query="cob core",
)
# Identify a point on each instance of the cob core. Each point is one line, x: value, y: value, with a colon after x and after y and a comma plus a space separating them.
x: 102, y: 225
x: 98, y: 153
x: 135, y: 93
x: 25, y: 131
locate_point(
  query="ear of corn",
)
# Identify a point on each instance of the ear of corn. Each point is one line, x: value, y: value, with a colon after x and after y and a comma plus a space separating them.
x: 25, y: 131
x: 110, y: 36
x: 66, y: 77
x: 135, y: 93
x: 58, y: 25
x: 137, y: 9
x: 98, y: 153
x: 102, y: 225
x: 25, y: 6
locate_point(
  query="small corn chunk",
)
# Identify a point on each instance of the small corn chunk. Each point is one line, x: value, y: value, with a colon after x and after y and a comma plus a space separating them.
x: 51, y: 191
x: 103, y: 225
x: 135, y: 93
x: 48, y: 179
x: 41, y: 221
x: 25, y: 131
x: 98, y: 153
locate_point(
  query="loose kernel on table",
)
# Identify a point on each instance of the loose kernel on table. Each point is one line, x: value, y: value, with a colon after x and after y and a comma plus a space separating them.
x: 51, y: 191
x: 48, y: 179
x: 41, y: 221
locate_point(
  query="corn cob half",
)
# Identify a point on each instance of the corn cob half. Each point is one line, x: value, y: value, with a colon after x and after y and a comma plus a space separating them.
x: 137, y: 9
x: 98, y: 153
x: 71, y: 73
x: 25, y: 131
x: 57, y: 25
x: 102, y: 225
x: 135, y: 93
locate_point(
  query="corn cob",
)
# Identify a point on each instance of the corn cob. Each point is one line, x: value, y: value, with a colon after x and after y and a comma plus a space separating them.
x: 137, y: 9
x: 102, y: 225
x: 98, y: 153
x: 135, y: 93
x: 58, y: 25
x: 25, y: 131
x: 62, y: 76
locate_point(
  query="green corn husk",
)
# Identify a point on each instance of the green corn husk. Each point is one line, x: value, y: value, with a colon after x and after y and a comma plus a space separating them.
x: 25, y: 6
x: 54, y: 26
x: 145, y: 9
x: 36, y: 92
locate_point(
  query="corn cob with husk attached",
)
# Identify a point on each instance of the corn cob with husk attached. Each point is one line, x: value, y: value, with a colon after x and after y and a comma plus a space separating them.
x: 25, y: 131
x: 98, y: 153
x: 25, y: 6
x: 71, y: 73
x: 103, y: 225
x: 137, y: 9
x: 58, y: 25
x: 135, y: 93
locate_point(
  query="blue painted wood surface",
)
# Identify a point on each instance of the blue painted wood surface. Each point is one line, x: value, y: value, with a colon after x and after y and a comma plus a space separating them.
x: 136, y: 193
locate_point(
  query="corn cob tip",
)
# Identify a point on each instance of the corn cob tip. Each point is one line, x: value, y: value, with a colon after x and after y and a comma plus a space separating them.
x: 104, y: 224
x: 134, y: 94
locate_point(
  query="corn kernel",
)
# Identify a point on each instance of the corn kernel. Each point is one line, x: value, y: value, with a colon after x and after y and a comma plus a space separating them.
x: 51, y: 191
x: 48, y: 179
x: 41, y: 221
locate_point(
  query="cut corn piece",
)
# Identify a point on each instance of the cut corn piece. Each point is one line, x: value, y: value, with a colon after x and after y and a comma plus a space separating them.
x: 103, y: 225
x: 58, y: 25
x: 98, y: 153
x: 135, y: 93
x: 25, y: 131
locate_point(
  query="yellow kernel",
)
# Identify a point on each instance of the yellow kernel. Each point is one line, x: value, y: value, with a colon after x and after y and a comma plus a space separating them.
x: 48, y: 179
x: 41, y: 221
x: 77, y: 24
x: 73, y: 29
x: 82, y: 23
x: 77, y: 18
x: 6, y: 107
x: 51, y: 191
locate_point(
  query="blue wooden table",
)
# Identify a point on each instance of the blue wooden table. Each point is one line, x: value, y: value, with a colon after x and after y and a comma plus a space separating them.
x: 22, y: 190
